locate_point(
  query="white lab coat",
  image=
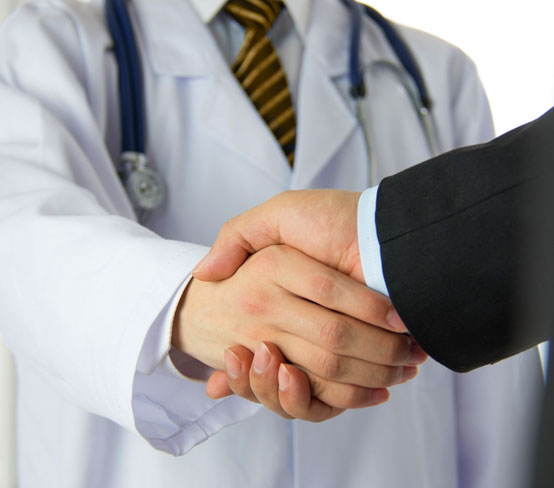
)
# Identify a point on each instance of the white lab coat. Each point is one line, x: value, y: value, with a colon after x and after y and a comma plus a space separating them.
x: 83, y: 284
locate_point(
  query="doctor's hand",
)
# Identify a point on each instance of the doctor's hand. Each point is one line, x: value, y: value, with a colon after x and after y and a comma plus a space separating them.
x: 266, y: 377
x: 318, y: 318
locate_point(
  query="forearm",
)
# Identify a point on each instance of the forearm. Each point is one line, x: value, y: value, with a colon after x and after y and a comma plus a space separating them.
x: 457, y: 235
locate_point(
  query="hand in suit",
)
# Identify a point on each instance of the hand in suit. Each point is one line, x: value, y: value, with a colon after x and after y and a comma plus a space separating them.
x: 320, y: 223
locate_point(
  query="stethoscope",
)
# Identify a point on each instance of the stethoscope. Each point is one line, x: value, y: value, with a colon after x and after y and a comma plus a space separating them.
x: 144, y: 185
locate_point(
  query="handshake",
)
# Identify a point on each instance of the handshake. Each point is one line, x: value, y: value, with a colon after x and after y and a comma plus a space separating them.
x: 280, y: 309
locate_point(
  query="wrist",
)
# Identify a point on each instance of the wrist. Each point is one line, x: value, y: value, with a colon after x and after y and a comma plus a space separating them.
x: 184, y: 362
x: 182, y: 314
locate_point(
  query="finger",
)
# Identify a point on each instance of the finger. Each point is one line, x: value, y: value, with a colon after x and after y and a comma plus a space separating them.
x: 344, y: 396
x: 343, y: 369
x: 217, y: 386
x: 238, y: 360
x: 224, y: 258
x: 335, y: 333
x: 296, y: 399
x: 264, y: 382
x: 303, y: 276
x: 237, y: 239
x: 263, y: 376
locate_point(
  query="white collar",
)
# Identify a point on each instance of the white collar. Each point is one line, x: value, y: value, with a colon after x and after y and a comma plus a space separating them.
x: 299, y: 11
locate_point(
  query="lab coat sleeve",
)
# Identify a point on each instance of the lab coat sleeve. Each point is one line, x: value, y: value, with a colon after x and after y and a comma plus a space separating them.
x: 83, y: 284
x: 164, y: 412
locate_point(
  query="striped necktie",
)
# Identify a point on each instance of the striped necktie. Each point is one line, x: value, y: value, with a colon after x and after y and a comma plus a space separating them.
x: 259, y: 71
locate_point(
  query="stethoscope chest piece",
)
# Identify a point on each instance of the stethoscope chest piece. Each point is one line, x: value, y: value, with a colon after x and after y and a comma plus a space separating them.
x: 144, y: 186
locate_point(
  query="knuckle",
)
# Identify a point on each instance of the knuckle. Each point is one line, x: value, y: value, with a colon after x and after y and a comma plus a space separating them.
x: 393, y: 350
x: 323, y: 287
x: 254, y: 303
x: 316, y: 386
x: 227, y: 225
x: 335, y: 335
x: 353, y: 397
x: 227, y: 228
x: 329, y: 366
x: 386, y: 376
x: 268, y: 259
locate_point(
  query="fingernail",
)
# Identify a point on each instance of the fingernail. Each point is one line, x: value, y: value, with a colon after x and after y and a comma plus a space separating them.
x: 417, y: 354
x: 379, y: 396
x: 198, y: 267
x: 283, y: 378
x: 395, y: 322
x: 408, y: 372
x: 261, y: 358
x: 233, y: 365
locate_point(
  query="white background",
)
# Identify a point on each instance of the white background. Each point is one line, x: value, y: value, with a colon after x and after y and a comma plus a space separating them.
x: 512, y: 43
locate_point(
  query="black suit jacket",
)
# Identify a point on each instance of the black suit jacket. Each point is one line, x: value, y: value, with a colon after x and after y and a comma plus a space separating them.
x: 467, y: 246
x: 465, y: 252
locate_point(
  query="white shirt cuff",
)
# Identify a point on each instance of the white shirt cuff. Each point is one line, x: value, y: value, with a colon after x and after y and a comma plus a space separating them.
x: 370, y: 251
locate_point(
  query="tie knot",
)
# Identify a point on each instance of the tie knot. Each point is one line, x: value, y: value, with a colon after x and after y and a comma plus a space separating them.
x: 255, y: 14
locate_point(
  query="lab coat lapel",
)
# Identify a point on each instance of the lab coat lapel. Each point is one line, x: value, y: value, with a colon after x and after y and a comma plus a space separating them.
x: 170, y: 32
x: 234, y: 121
x: 179, y: 44
x: 325, y: 119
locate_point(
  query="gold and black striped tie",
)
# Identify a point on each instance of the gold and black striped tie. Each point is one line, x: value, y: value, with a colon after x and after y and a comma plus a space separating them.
x: 260, y: 72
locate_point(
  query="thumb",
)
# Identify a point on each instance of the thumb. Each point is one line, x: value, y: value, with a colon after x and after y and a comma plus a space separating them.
x: 217, y: 386
x: 225, y: 257
x: 238, y: 238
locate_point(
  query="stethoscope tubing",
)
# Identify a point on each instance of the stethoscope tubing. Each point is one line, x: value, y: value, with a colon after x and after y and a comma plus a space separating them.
x: 424, y: 114
x: 130, y: 76
x: 132, y: 97
x: 403, y: 53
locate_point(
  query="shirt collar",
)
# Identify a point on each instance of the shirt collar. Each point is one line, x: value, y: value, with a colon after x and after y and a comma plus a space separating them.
x: 299, y: 11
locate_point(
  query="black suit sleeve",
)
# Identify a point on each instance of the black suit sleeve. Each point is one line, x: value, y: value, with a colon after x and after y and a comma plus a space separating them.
x: 466, y: 247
